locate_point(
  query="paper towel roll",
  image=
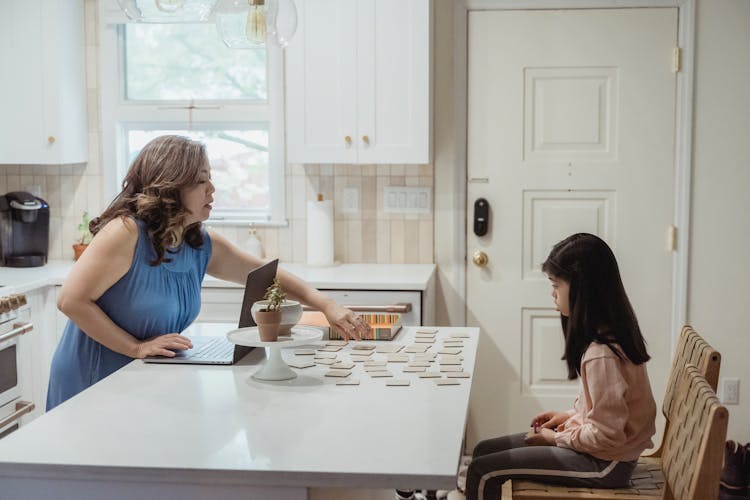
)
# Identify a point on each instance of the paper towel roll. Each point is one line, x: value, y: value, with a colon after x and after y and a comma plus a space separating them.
x: 320, y: 233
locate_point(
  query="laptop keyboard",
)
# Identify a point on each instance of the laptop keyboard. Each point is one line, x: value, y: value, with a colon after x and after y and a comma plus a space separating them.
x: 216, y: 349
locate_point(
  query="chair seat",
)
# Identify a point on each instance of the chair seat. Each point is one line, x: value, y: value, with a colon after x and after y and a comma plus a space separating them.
x: 647, y: 481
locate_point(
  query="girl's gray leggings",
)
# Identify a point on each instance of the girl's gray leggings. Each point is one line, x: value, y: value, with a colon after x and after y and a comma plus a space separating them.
x: 508, y: 457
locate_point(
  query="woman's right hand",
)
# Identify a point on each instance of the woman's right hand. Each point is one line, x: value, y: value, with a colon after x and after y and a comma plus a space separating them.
x: 163, y: 345
x: 549, y: 419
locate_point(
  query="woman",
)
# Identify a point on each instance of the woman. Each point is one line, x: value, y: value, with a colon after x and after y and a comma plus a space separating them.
x: 597, y: 442
x: 138, y: 284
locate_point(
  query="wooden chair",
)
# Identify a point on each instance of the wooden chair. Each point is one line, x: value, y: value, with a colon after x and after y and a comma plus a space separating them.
x: 690, y: 464
x: 647, y: 479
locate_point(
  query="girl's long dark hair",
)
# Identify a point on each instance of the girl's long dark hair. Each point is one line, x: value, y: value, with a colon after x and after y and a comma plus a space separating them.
x: 598, y: 305
x: 151, y: 193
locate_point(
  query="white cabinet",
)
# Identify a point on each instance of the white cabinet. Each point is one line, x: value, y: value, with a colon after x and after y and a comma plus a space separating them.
x: 358, y: 82
x: 221, y: 305
x: 43, y: 82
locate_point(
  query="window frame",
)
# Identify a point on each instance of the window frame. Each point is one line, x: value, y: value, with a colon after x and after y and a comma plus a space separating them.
x: 118, y: 116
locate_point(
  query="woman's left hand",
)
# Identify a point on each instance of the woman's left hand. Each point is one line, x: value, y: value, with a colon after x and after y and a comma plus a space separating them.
x: 351, y: 325
x: 545, y: 437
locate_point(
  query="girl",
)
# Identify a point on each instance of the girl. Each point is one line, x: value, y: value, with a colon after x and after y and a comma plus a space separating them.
x: 138, y: 284
x: 596, y: 443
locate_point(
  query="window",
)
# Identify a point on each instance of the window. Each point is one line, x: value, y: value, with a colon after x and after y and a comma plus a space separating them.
x: 180, y: 79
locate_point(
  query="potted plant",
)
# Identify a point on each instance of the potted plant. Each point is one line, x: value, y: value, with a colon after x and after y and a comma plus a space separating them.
x: 84, y: 236
x: 269, y: 317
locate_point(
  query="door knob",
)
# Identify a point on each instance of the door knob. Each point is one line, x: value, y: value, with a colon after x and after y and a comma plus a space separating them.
x: 480, y: 258
x: 348, y: 140
x: 366, y: 139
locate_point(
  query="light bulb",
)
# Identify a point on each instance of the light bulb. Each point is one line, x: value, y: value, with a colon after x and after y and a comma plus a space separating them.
x: 255, y: 26
x: 169, y: 5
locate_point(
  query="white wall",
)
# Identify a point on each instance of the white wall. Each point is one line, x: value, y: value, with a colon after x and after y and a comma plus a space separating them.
x: 719, y: 290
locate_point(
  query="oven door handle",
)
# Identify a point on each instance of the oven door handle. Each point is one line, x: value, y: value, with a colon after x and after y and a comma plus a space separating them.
x: 22, y: 408
x: 389, y: 308
x: 18, y: 329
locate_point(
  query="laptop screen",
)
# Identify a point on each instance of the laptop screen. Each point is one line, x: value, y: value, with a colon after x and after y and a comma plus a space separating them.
x: 258, y: 280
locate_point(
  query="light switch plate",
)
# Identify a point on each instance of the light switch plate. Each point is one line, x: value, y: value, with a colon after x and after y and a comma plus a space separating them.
x: 407, y: 200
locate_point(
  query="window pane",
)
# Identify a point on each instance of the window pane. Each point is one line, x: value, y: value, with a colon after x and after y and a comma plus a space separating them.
x: 189, y: 61
x: 239, y: 167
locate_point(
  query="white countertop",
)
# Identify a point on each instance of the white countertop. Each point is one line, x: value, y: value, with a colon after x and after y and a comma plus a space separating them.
x: 159, y: 423
x: 340, y: 277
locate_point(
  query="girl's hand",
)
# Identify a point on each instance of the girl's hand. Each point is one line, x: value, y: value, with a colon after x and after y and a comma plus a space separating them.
x: 545, y: 437
x: 549, y: 420
x: 351, y: 325
x: 163, y: 345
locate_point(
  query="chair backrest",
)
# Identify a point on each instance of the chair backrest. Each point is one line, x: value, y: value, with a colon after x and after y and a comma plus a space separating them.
x: 695, y: 440
x: 691, y: 349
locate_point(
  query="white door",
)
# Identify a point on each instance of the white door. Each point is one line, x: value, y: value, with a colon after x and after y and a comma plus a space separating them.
x: 570, y: 129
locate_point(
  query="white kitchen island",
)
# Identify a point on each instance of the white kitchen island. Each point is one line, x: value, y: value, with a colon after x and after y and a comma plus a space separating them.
x: 193, y: 432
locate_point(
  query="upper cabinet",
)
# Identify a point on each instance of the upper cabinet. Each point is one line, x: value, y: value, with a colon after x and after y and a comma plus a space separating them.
x: 43, y: 83
x: 358, y: 82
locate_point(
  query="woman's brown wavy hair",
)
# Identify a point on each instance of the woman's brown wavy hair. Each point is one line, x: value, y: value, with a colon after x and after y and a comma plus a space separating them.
x: 151, y: 193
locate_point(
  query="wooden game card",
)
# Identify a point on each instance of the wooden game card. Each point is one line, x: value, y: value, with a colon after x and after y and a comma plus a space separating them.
x: 376, y: 368
x: 458, y: 375
x: 459, y: 335
x: 388, y: 348
x: 453, y: 343
x: 331, y: 348
x: 423, y: 364
x: 414, y: 369
x: 300, y: 364
x: 427, y: 330
x: 338, y: 373
x: 325, y: 355
x: 348, y: 381
x: 373, y: 362
x: 449, y: 350
x: 447, y: 381
x: 397, y: 382
x: 447, y: 369
x: 304, y: 352
x: 325, y: 361
x: 359, y: 359
x: 343, y: 365
x: 425, y: 356
x: 430, y: 375
x: 425, y: 340
x: 337, y: 342
x: 424, y: 335
x: 450, y: 360
x: 363, y: 347
x: 397, y: 358
x: 380, y: 374
x: 416, y: 348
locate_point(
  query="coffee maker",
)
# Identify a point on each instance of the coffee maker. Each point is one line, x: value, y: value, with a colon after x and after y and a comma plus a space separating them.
x: 24, y: 230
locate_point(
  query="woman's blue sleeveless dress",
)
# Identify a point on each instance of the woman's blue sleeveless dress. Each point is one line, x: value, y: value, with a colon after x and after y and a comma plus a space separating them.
x: 146, y: 302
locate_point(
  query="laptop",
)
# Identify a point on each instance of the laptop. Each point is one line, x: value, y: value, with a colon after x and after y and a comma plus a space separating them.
x: 217, y: 350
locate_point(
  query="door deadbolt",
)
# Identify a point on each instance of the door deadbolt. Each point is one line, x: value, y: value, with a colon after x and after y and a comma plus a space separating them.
x: 481, y: 216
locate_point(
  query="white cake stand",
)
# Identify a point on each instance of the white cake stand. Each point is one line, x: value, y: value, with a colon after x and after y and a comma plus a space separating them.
x: 274, y: 367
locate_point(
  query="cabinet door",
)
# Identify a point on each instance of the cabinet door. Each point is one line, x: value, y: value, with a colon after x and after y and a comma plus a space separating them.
x: 393, y: 81
x: 320, y: 83
x: 43, y: 87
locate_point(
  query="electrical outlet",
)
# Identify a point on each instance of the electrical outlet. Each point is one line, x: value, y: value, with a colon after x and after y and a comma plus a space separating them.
x: 351, y: 200
x: 730, y: 391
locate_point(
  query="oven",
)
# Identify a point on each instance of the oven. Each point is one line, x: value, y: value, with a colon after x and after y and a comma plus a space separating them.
x: 14, y: 323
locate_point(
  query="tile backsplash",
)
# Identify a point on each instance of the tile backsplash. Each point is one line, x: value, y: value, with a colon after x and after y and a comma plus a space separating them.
x: 365, y: 233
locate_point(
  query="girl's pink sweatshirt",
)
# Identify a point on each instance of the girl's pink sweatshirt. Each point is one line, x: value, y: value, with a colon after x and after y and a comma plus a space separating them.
x: 613, y: 416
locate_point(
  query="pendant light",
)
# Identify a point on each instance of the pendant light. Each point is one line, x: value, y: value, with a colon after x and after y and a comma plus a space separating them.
x: 167, y: 11
x: 250, y: 24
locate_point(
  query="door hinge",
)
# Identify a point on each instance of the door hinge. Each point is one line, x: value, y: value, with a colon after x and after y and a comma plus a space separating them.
x: 671, y: 239
x: 677, y: 60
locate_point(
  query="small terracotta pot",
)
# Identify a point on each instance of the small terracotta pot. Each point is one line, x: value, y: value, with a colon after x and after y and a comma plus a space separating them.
x: 268, y: 325
x: 78, y: 250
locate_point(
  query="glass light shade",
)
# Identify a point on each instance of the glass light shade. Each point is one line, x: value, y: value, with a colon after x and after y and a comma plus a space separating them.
x: 167, y: 11
x: 243, y: 25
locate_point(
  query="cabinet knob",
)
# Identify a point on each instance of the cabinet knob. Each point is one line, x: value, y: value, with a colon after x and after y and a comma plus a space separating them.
x: 366, y: 139
x: 348, y: 140
x: 51, y: 139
